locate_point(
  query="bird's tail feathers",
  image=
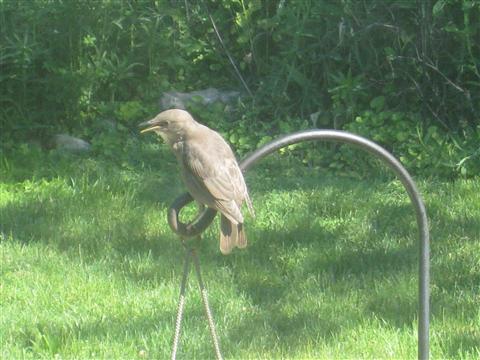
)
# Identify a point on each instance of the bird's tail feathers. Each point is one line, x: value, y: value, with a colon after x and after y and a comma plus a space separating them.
x: 241, y: 237
x: 231, y: 235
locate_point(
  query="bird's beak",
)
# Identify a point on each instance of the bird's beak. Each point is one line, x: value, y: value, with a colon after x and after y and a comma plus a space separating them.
x: 149, y: 126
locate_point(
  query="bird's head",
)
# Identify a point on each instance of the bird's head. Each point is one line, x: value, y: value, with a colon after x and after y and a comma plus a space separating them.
x: 172, y: 125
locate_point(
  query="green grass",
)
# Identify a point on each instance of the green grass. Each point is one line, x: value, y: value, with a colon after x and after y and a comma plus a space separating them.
x: 90, y: 268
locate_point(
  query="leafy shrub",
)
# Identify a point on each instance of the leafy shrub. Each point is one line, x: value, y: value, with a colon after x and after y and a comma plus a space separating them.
x: 403, y: 73
x: 428, y: 150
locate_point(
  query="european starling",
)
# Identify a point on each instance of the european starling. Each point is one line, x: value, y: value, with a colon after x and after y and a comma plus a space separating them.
x: 209, y: 170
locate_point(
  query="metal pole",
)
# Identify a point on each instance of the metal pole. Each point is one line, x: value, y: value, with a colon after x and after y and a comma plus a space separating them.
x: 408, y: 183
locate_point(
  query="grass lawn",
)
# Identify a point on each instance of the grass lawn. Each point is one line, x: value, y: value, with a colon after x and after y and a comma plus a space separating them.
x: 90, y: 268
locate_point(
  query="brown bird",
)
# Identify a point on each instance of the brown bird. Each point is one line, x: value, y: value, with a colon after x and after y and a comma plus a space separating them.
x: 209, y: 170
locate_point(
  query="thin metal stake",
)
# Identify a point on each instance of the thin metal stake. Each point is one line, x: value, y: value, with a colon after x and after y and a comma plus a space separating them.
x: 208, y: 312
x: 181, y: 302
x: 189, y: 254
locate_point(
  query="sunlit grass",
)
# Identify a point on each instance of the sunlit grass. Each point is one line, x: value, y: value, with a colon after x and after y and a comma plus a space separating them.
x: 90, y: 268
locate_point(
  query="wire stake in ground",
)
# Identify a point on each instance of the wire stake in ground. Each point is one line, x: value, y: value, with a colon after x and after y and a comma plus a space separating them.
x: 189, y: 254
x: 208, y: 312
x: 181, y: 302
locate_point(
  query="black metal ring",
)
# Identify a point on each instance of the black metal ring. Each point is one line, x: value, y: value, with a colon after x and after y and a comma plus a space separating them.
x: 195, y: 227
x: 205, y: 218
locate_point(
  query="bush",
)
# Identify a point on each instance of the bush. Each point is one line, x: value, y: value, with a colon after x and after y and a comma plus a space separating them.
x: 403, y: 73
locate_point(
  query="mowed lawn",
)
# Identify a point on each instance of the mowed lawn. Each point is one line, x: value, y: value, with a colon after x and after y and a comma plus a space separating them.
x: 90, y: 268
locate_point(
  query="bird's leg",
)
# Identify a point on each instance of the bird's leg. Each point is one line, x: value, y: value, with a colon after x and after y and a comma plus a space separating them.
x: 201, y: 207
x: 192, y: 242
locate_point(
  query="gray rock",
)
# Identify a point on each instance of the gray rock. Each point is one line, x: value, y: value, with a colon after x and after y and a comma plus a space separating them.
x: 179, y: 100
x: 70, y: 143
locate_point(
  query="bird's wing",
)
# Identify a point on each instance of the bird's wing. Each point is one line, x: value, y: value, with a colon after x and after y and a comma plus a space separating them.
x: 225, y: 182
x: 218, y: 176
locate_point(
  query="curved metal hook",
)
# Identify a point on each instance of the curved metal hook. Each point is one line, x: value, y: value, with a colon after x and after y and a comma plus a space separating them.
x: 195, y: 227
x: 204, y: 219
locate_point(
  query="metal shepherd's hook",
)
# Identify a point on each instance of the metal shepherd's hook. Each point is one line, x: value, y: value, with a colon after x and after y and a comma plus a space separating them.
x: 204, y: 219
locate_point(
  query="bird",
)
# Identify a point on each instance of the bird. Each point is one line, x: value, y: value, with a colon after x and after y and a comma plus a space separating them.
x: 208, y: 169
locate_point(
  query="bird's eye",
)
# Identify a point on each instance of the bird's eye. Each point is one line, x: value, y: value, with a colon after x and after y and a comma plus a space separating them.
x: 163, y: 123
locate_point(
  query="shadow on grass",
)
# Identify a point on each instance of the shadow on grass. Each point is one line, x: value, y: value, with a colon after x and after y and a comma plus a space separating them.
x: 319, y: 274
x: 386, y: 279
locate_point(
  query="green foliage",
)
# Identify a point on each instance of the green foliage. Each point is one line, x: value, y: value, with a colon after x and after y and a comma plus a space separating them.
x: 431, y: 151
x: 69, y: 66
x: 62, y: 58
